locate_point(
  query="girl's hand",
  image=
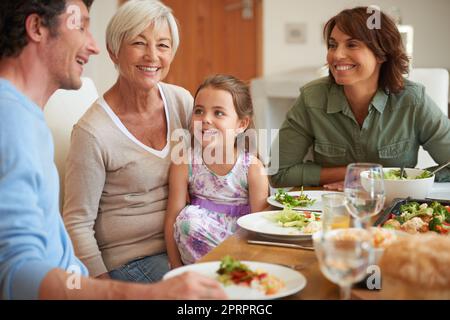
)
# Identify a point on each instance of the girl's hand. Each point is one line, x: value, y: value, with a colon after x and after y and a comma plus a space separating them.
x: 178, y: 195
x: 258, y: 186
x: 174, y: 265
x: 336, y: 186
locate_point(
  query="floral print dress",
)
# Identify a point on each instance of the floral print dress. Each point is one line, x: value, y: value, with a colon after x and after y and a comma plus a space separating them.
x: 216, y: 204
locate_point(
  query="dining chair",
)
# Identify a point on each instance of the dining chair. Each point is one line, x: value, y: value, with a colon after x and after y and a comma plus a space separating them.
x: 62, y: 111
x: 436, y: 82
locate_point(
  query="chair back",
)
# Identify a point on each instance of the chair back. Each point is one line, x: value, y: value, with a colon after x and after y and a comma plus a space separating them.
x: 436, y: 82
x: 62, y: 111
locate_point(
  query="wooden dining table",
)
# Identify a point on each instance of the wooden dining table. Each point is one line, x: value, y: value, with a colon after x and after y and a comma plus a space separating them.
x: 303, y: 261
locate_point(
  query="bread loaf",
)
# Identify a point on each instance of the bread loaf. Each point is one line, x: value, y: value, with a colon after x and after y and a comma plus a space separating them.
x: 417, y: 267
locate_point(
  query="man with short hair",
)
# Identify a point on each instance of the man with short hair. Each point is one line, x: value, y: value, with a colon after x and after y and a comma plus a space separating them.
x: 44, y: 45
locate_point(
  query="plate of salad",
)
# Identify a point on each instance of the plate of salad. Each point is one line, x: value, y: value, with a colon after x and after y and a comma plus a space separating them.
x: 298, y: 200
x: 286, y: 224
x: 248, y: 280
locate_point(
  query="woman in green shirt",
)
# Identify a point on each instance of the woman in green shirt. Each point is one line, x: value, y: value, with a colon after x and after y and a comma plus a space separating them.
x: 364, y: 111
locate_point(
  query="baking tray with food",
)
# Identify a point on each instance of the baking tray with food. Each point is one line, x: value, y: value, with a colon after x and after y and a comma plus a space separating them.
x: 409, y: 216
x: 417, y: 216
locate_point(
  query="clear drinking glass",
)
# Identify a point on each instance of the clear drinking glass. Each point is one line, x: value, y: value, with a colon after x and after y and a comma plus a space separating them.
x: 334, y: 214
x: 344, y: 255
x: 364, y: 191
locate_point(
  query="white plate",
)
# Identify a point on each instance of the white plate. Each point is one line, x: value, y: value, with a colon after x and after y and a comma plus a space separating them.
x: 294, y: 281
x: 263, y: 224
x: 313, y: 194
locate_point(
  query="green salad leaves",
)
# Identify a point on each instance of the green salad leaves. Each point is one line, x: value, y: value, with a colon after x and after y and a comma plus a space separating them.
x: 394, y: 174
x: 302, y: 200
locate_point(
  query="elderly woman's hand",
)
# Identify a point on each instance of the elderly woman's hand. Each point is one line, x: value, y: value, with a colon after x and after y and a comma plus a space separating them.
x: 336, y: 186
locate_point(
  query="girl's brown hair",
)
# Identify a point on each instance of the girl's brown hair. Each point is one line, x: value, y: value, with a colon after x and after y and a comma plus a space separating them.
x: 385, y: 42
x: 239, y: 90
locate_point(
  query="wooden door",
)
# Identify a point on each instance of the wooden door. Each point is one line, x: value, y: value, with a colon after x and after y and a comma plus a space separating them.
x: 216, y: 38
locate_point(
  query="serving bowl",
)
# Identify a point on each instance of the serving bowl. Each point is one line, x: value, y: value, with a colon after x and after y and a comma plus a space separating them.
x: 403, y: 188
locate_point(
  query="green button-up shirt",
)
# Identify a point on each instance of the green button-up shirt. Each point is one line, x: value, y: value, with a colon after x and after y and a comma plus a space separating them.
x: 395, y: 127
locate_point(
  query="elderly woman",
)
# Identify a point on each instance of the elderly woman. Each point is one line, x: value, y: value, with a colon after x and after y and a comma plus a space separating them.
x: 117, y: 167
x: 365, y: 111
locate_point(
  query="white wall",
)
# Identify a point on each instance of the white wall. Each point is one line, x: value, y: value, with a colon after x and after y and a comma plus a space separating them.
x: 428, y: 17
x: 100, y: 68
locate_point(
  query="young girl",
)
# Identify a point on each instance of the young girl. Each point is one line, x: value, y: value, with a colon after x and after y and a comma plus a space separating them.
x: 220, y: 191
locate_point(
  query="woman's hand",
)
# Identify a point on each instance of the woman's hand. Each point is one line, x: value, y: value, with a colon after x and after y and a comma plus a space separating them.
x: 336, y: 186
x: 332, y: 178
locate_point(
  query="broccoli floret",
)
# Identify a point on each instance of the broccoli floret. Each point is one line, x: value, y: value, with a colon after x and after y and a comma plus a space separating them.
x: 438, y: 208
x: 400, y: 219
x: 440, y: 216
x: 434, y: 223
x: 446, y: 214
x: 436, y: 205
x: 439, y: 211
x: 410, y: 207
x: 413, y: 209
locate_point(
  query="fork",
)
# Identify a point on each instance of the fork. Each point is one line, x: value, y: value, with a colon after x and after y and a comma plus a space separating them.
x: 280, y: 244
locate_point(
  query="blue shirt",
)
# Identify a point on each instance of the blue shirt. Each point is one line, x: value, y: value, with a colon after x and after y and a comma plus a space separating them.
x: 33, y: 239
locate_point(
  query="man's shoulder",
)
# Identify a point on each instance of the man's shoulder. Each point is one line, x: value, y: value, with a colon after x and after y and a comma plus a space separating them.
x: 23, y: 131
x: 16, y: 114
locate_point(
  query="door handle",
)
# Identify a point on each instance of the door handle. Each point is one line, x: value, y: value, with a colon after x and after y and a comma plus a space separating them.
x: 245, y: 5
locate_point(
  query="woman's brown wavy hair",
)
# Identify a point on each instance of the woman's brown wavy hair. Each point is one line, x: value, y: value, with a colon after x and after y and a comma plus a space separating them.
x: 385, y: 42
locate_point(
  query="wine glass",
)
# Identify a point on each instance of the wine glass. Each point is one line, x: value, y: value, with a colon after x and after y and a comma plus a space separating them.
x: 364, y: 191
x: 344, y: 255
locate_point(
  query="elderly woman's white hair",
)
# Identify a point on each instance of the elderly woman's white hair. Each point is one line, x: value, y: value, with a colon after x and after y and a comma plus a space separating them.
x: 134, y: 17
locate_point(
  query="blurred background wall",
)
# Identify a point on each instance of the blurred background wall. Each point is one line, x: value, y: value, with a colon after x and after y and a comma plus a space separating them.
x: 428, y: 17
